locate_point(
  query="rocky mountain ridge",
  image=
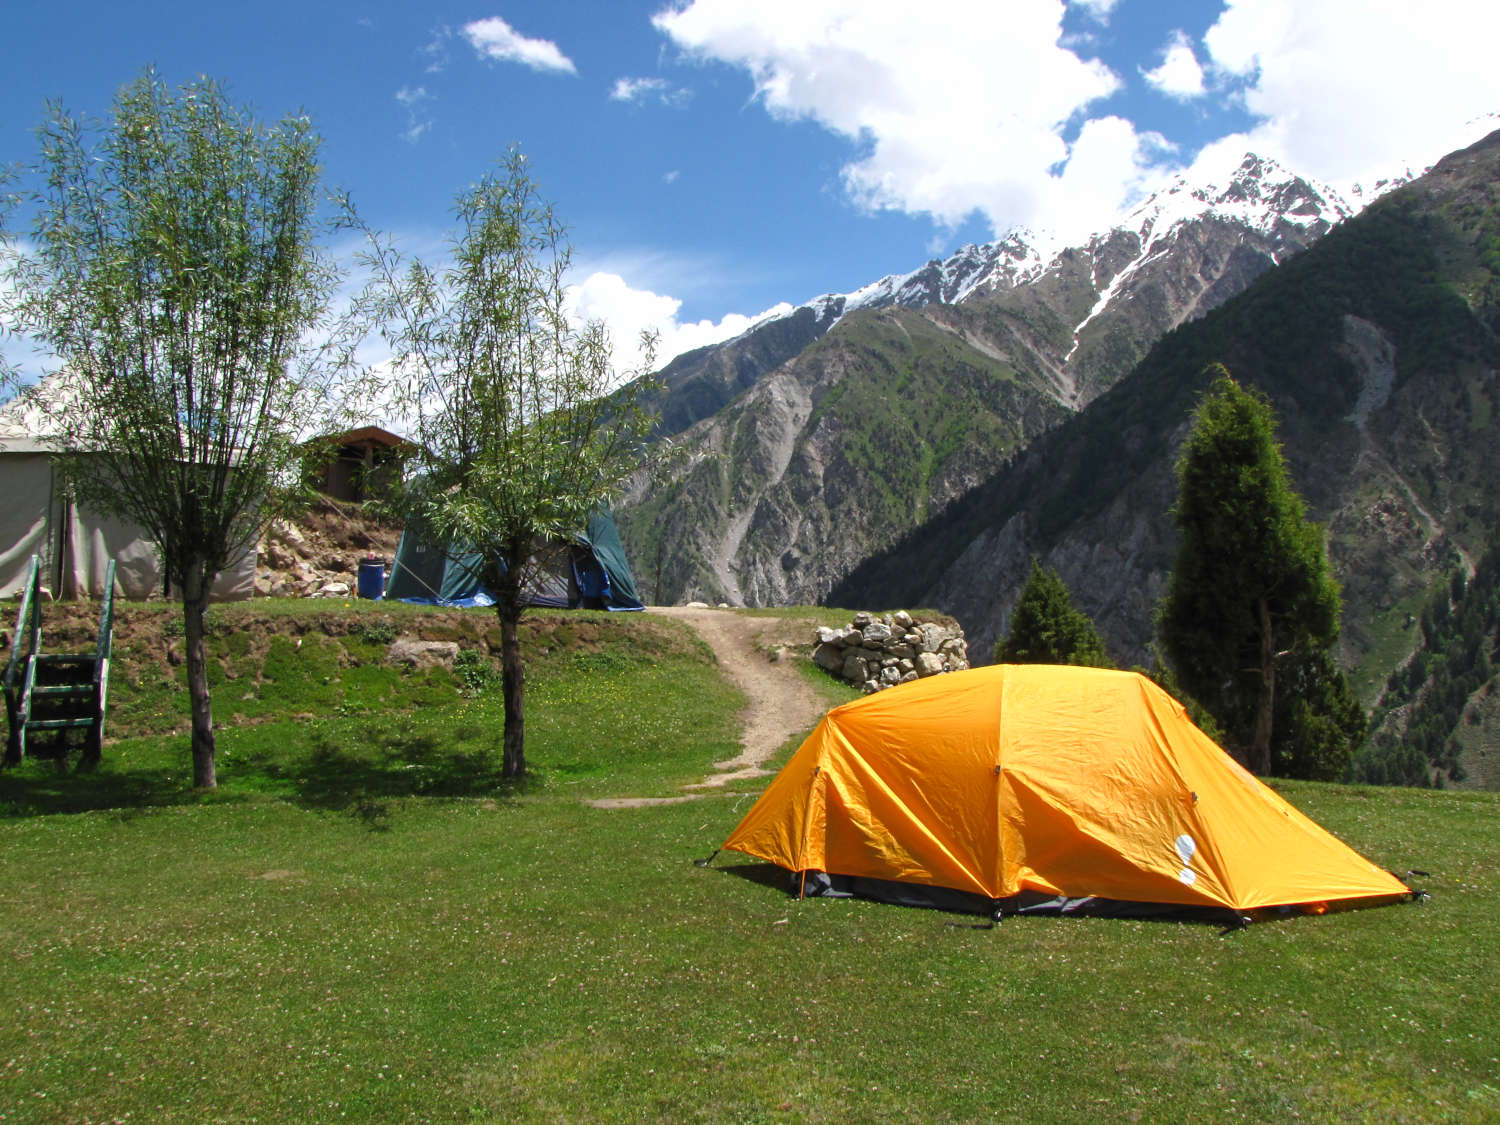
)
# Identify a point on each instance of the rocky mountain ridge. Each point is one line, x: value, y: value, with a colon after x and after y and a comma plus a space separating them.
x: 820, y: 437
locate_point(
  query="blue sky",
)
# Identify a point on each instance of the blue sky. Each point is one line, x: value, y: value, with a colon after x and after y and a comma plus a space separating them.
x: 715, y: 158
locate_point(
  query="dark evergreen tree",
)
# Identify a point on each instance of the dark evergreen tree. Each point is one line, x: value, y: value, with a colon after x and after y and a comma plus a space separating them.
x: 1046, y: 628
x: 1251, y: 597
x: 1319, y: 723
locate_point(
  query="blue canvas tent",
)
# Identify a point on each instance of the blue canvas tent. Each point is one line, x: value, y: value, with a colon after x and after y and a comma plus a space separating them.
x: 587, y: 572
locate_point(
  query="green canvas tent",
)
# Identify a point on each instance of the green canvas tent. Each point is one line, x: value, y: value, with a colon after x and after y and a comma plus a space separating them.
x: 589, y: 571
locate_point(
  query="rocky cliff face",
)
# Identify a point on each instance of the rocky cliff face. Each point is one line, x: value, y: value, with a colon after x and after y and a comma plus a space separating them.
x: 819, y: 438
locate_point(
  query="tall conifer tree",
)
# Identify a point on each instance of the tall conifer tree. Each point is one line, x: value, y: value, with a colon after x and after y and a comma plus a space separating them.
x: 1251, y: 607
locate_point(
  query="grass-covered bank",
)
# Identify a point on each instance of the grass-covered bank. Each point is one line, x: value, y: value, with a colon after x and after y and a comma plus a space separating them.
x: 362, y: 923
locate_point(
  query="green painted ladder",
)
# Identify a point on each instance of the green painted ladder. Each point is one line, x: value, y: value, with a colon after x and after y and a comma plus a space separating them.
x: 48, y: 695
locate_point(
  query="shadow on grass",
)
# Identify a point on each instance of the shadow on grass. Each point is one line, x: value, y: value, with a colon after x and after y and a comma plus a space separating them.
x: 764, y: 874
x: 364, y: 782
x: 960, y: 909
x: 361, y: 773
x: 43, y: 788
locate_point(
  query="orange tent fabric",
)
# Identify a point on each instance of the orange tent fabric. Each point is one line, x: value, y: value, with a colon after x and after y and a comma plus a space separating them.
x: 1067, y: 781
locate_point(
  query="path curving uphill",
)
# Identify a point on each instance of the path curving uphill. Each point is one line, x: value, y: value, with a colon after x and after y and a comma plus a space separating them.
x: 779, y: 702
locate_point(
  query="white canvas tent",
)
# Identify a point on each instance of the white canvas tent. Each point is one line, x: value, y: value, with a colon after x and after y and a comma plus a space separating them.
x: 74, y: 544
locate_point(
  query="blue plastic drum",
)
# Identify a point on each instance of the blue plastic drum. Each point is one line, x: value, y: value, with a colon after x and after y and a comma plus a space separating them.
x: 371, y: 582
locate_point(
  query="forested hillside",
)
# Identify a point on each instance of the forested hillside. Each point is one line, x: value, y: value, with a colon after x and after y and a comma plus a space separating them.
x: 1436, y: 720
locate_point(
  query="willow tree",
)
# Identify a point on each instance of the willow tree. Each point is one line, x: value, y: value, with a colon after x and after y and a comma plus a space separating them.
x: 1251, y: 606
x: 173, y: 269
x: 522, y: 426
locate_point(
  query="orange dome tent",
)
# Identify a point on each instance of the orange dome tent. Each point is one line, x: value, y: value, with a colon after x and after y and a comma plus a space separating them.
x: 1078, y: 783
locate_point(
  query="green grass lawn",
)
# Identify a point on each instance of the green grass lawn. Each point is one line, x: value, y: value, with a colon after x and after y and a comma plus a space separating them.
x: 365, y: 924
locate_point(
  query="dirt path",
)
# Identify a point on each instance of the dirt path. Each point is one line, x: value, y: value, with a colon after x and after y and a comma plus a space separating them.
x: 780, y: 702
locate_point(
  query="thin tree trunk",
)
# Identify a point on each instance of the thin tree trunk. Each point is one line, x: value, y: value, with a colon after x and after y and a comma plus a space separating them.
x: 661, y: 550
x: 194, y: 605
x: 513, y: 685
x: 1260, y: 747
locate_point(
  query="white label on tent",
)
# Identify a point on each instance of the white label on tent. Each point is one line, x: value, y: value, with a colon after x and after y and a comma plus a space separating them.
x: 1186, y: 848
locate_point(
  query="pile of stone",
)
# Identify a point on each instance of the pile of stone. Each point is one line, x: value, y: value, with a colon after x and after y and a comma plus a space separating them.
x: 894, y: 648
x: 319, y: 556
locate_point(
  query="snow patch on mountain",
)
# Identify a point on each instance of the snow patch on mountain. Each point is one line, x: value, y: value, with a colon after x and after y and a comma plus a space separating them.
x: 1260, y: 195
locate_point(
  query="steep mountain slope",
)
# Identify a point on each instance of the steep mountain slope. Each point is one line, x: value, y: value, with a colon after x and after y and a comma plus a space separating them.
x: 818, y: 438
x: 1379, y: 350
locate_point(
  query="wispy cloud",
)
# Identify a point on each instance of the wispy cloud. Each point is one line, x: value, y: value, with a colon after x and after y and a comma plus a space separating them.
x: 638, y: 90
x: 496, y: 40
x: 436, y: 50
x: 1099, y: 10
x: 414, y: 100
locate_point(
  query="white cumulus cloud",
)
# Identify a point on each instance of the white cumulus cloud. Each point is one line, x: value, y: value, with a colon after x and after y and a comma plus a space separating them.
x: 1179, y: 75
x: 495, y: 39
x: 990, y: 108
x: 946, y: 123
x: 628, y: 312
x: 1352, y: 90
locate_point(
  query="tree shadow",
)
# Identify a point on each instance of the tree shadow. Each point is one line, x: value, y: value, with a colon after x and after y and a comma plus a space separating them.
x: 361, y: 772
x: 364, y: 783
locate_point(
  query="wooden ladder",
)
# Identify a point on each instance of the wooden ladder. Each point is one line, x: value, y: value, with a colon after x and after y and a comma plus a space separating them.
x: 47, y: 695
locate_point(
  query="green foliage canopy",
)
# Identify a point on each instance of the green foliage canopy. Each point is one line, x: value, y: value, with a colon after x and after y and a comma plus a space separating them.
x: 521, y: 427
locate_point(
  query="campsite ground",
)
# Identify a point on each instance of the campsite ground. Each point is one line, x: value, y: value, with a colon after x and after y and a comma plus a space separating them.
x: 365, y: 922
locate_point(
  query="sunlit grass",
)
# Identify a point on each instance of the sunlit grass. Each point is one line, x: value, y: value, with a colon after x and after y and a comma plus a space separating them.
x: 366, y: 924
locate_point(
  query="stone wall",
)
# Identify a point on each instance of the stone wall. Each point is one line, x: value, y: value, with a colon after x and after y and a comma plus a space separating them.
x: 894, y: 648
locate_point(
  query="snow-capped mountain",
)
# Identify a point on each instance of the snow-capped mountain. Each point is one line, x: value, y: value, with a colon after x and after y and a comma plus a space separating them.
x: 921, y: 384
x: 1261, y: 196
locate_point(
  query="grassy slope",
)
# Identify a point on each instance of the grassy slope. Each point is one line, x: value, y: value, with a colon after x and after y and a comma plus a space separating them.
x: 364, y: 923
